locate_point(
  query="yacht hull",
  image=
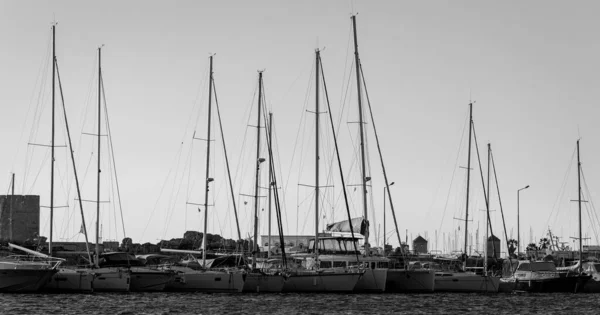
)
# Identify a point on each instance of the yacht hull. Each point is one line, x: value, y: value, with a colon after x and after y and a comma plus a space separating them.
x: 400, y: 280
x: 465, y: 282
x: 373, y: 280
x: 561, y: 284
x: 146, y: 279
x: 71, y: 280
x: 206, y: 281
x: 112, y: 280
x: 256, y: 282
x: 321, y: 282
x: 24, y: 280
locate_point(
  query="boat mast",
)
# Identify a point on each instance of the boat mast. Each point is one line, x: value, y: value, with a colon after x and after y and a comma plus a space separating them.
x: 487, y: 214
x: 317, y: 62
x: 468, y: 182
x: 579, y: 202
x: 99, y: 135
x: 208, y: 179
x: 258, y: 161
x: 270, y: 181
x: 362, y: 137
x: 52, y: 141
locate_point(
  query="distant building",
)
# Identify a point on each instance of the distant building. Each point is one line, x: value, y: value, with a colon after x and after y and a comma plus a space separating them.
x: 19, y: 218
x: 420, y: 245
x: 493, y: 246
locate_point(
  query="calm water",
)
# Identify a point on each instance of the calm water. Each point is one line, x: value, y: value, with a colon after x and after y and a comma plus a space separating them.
x: 200, y: 303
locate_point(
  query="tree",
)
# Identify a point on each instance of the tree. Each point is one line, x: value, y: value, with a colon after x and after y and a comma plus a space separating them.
x: 512, y: 246
x: 531, y: 246
x: 544, y: 243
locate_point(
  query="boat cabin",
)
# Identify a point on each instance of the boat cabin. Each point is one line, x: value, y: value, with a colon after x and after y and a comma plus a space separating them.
x: 335, y: 245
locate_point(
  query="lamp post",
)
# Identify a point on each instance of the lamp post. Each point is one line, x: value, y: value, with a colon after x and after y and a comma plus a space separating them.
x: 518, y: 222
x: 384, y: 190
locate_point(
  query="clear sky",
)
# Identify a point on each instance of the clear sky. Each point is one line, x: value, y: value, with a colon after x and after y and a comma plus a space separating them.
x: 532, y: 68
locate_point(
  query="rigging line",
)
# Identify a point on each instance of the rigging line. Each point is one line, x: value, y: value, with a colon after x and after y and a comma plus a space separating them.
x: 380, y: 156
x: 227, y: 162
x: 278, y: 165
x: 41, y: 78
x: 454, y: 171
x: 487, y: 203
x: 562, y: 189
x: 73, y: 160
x: 112, y: 153
x: 338, y: 156
x: 36, y: 114
x: 501, y: 209
x: 178, y: 157
x: 300, y: 125
x: 590, y: 208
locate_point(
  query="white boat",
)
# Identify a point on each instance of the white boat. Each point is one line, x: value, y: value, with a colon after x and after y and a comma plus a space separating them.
x: 214, y: 281
x: 111, y: 279
x: 415, y: 278
x: 465, y: 282
x: 263, y: 282
x: 142, y: 278
x: 339, y: 254
x: 71, y: 280
x: 25, y: 273
x: 317, y: 281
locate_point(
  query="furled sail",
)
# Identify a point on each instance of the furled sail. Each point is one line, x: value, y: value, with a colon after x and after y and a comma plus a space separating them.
x: 359, y: 225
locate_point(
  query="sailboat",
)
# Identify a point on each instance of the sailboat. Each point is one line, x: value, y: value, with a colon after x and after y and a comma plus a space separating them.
x: 111, y: 279
x: 396, y: 279
x: 204, y: 279
x: 316, y: 274
x: 67, y: 279
x: 260, y: 280
x: 544, y: 276
x: 466, y: 281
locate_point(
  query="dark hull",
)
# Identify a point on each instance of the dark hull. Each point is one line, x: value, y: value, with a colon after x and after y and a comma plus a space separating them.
x: 562, y: 284
x: 149, y: 280
x: 24, y: 280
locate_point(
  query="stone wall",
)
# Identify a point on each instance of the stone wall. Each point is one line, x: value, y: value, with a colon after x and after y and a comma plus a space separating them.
x: 19, y: 218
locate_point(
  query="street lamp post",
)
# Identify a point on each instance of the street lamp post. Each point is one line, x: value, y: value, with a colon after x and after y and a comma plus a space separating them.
x: 518, y: 222
x: 384, y: 190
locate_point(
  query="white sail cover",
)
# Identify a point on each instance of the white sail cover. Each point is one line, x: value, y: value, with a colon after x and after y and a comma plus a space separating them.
x: 359, y: 225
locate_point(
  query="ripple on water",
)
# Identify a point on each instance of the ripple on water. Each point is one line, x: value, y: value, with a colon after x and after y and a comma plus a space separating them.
x: 202, y: 303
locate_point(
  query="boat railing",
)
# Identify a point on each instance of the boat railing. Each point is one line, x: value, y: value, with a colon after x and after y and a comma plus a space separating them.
x: 51, y: 262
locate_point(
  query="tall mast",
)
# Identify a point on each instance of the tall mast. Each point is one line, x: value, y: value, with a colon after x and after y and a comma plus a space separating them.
x: 208, y: 179
x: 270, y: 177
x: 362, y: 136
x: 99, y: 135
x: 579, y: 202
x: 52, y: 141
x: 317, y: 64
x: 487, y: 214
x: 258, y: 161
x: 468, y: 179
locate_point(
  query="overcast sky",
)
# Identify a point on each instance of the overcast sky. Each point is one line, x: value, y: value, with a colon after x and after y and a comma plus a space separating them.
x: 531, y: 68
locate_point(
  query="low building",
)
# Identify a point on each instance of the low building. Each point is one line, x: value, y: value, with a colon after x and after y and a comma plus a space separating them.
x: 420, y: 245
x: 493, y: 246
x: 19, y: 218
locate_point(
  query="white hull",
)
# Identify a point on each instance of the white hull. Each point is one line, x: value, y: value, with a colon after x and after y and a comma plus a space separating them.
x: 400, y: 280
x: 373, y: 280
x: 71, y: 280
x: 187, y: 279
x: 308, y: 281
x: 109, y: 279
x: 465, y: 282
x: 256, y: 282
